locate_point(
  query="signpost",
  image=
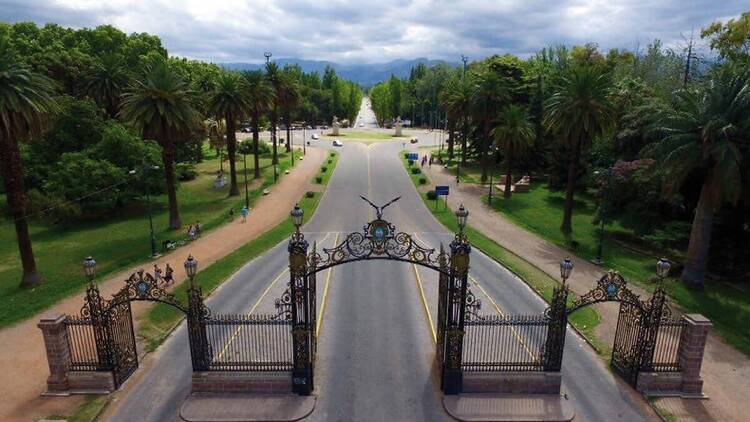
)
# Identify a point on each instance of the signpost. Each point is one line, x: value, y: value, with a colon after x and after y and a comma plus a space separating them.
x: 413, y: 156
x: 441, y: 191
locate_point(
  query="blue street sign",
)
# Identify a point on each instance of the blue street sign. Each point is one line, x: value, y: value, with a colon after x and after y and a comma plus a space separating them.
x: 441, y: 190
x: 413, y: 156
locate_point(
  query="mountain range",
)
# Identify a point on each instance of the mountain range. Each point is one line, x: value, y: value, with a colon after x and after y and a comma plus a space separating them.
x: 364, y: 74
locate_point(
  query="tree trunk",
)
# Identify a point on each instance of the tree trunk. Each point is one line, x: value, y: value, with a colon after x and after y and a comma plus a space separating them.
x: 463, y: 142
x: 508, y: 176
x: 256, y: 149
x: 450, y: 142
x: 167, y: 157
x: 234, y: 190
x: 566, y: 226
x: 288, y: 119
x: 199, y: 150
x: 11, y: 167
x: 274, y: 122
x: 694, y: 273
x: 485, y: 150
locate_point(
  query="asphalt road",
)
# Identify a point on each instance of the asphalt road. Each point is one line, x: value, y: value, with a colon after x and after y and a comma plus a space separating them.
x: 375, y: 349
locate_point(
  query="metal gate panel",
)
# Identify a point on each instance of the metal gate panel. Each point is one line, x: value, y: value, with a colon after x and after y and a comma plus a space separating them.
x: 124, y: 354
x: 627, y: 350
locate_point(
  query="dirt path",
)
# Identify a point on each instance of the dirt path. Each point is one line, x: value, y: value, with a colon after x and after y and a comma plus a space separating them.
x: 726, y: 371
x: 23, y: 364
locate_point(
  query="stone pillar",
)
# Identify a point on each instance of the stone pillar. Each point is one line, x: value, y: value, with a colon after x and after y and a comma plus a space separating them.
x: 692, y: 346
x: 58, y: 352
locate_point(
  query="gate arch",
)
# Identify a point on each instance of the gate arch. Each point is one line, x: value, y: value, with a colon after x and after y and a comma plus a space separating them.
x: 637, y: 324
x: 379, y: 240
x: 112, y: 322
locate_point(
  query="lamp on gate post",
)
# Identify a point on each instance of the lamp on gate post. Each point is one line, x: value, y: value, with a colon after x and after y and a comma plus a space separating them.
x: 191, y: 267
x: 297, y: 213
x: 462, y: 215
x: 89, y: 268
x: 566, y: 267
x: 144, y: 175
x: 662, y: 268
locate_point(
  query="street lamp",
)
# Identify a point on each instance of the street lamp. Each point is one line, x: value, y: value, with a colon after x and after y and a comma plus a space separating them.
x: 191, y: 267
x: 89, y: 268
x: 267, y: 55
x: 662, y: 268
x: 462, y: 215
x: 566, y: 267
x: 146, y: 168
x: 297, y: 213
x: 599, y: 260
x: 304, y: 138
x: 244, y: 150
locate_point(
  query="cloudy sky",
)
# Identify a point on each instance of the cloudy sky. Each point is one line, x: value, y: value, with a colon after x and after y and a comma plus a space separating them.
x: 381, y: 30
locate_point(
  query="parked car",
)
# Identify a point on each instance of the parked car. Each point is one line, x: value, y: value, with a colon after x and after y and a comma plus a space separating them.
x: 324, y: 127
x: 315, y: 136
x: 413, y: 140
x: 337, y: 143
x: 361, y: 125
x: 246, y: 129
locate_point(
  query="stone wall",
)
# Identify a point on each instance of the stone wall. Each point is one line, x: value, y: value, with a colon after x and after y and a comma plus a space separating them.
x: 242, y: 382
x: 91, y: 382
x: 512, y: 382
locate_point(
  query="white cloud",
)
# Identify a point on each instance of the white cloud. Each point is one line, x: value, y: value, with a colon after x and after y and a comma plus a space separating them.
x: 376, y: 31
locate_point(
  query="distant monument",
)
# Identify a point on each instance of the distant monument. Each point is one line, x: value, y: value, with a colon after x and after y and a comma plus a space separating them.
x: 335, y: 126
x: 398, y: 126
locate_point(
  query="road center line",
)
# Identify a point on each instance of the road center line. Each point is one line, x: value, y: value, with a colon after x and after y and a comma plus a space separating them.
x: 424, y: 302
x: 325, y: 295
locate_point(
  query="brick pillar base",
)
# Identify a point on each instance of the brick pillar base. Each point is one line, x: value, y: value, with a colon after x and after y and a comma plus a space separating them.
x: 692, y: 347
x: 58, y: 352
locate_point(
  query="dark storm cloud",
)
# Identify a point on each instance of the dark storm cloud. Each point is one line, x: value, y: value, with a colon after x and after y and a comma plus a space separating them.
x: 373, y: 31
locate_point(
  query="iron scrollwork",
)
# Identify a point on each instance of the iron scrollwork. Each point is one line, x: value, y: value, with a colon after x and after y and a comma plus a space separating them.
x: 611, y: 287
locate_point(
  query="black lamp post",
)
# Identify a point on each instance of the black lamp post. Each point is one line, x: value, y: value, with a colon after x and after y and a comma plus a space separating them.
x: 89, y: 268
x: 599, y: 260
x: 244, y: 150
x: 191, y: 268
x: 304, y: 138
x: 146, y: 168
x: 566, y: 267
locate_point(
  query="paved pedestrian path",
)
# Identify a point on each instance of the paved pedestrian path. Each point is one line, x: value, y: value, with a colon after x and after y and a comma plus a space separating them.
x: 726, y: 371
x: 23, y: 364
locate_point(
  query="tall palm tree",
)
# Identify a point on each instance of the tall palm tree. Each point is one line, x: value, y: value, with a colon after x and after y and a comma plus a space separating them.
x: 456, y: 99
x: 105, y: 81
x: 273, y: 74
x: 216, y: 130
x: 162, y: 107
x: 261, y: 101
x: 289, y: 100
x: 703, y: 135
x: 231, y: 101
x: 514, y: 134
x: 576, y: 113
x: 26, y: 104
x: 488, y: 95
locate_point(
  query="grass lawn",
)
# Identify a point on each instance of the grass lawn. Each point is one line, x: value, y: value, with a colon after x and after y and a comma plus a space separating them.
x: 585, y: 320
x: 329, y: 165
x: 117, y: 241
x: 471, y: 172
x: 365, y: 134
x: 540, y: 211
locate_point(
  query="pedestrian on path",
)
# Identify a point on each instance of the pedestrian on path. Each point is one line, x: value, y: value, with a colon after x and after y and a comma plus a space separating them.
x: 168, y: 276
x: 244, y: 213
x: 158, y: 274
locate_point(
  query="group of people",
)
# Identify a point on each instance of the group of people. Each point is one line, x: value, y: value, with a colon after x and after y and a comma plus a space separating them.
x: 167, y: 276
x: 427, y: 160
x: 194, y: 231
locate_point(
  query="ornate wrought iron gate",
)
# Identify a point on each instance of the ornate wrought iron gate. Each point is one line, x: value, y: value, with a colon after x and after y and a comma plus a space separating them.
x: 626, y: 350
x: 124, y: 356
x: 379, y: 240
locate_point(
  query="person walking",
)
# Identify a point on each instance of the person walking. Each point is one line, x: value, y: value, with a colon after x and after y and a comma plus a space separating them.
x: 168, y: 275
x: 244, y: 213
x: 158, y: 274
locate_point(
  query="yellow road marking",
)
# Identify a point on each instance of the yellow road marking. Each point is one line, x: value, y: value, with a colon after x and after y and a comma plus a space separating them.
x: 424, y: 302
x: 325, y: 295
x: 497, y: 308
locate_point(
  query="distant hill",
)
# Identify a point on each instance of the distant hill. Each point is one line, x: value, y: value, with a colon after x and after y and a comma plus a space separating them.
x: 364, y: 74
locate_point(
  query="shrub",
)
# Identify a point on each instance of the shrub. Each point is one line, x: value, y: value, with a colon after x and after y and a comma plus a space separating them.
x: 416, y: 170
x: 319, y: 179
x: 330, y: 161
x: 324, y: 169
x: 422, y: 181
x: 333, y: 154
x: 411, y: 162
x: 431, y: 195
x: 406, y: 155
x: 310, y: 193
x: 185, y: 171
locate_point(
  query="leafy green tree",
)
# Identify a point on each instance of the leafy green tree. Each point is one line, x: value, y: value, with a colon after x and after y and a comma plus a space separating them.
x: 457, y: 99
x: 273, y: 75
x: 161, y: 106
x: 26, y: 104
x: 231, y: 101
x: 262, y: 96
x: 489, y: 93
x: 730, y: 39
x: 290, y: 98
x: 576, y: 113
x: 514, y: 134
x: 704, y: 133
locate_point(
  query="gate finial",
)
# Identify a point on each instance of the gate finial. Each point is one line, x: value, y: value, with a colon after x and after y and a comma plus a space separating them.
x: 379, y: 209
